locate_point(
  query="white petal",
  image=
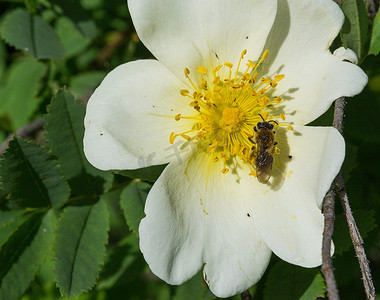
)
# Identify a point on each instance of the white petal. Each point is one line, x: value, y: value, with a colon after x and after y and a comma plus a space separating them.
x: 299, y: 48
x: 194, y: 32
x: 131, y: 114
x: 346, y: 54
x: 195, y: 215
x: 288, y: 214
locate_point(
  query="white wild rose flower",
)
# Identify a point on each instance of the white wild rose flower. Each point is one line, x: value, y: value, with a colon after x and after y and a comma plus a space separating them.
x: 222, y: 67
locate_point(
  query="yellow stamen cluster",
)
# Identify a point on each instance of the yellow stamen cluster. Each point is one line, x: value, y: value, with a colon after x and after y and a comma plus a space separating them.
x: 227, y: 109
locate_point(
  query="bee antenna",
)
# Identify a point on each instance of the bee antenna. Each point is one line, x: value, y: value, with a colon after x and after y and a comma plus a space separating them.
x: 261, y: 117
x: 273, y: 121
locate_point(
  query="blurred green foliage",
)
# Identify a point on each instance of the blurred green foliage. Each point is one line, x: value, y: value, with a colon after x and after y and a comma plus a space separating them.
x: 54, y: 206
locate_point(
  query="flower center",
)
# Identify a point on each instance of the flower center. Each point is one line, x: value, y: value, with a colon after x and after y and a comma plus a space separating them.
x: 227, y: 109
x: 231, y: 118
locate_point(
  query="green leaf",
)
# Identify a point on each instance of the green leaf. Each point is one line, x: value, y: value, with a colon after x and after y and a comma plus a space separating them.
x: 355, y: 27
x: 3, y: 59
x: 290, y: 282
x: 120, y: 263
x: 79, y: 247
x: 7, y: 217
x: 374, y: 47
x: 31, y: 34
x: 148, y: 174
x: 64, y: 133
x: 20, y: 103
x: 132, y: 202
x: 31, y: 5
x: 10, y: 226
x: 316, y: 288
x: 73, y: 41
x: 83, y: 22
x: 30, y: 175
x: 22, y: 272
x: 365, y: 220
x: 85, y: 83
x: 16, y: 243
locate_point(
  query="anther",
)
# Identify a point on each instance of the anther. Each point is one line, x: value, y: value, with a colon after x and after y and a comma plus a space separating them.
x: 184, y: 92
x: 177, y: 117
x: 273, y: 84
x: 172, y: 138
x: 218, y: 68
x: 186, y: 137
x: 265, y: 54
x: 201, y: 70
x: 261, y: 102
x: 278, y: 77
x: 250, y: 64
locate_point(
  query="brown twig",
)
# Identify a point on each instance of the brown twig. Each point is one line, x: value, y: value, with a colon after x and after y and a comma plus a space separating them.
x: 356, y: 238
x: 327, y: 268
x: 25, y: 131
x: 353, y: 229
x: 339, y: 114
x: 246, y: 295
x: 329, y: 215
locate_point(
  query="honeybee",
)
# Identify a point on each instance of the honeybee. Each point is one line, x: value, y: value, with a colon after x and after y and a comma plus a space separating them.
x: 264, y: 148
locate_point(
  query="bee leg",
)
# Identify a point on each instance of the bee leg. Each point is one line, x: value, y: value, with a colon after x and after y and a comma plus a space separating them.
x: 250, y: 139
x: 255, y: 129
x: 275, y: 143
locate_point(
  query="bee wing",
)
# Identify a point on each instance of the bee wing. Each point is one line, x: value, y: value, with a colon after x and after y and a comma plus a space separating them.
x: 264, y: 162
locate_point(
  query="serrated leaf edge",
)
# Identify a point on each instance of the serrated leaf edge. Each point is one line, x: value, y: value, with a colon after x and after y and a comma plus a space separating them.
x: 58, y: 167
x: 100, y: 266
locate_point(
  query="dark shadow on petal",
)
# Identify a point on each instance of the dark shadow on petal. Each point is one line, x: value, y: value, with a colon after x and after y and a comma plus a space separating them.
x: 276, y: 36
x: 281, y: 160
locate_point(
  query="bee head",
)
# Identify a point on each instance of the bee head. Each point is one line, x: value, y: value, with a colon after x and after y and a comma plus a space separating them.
x: 265, y: 125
